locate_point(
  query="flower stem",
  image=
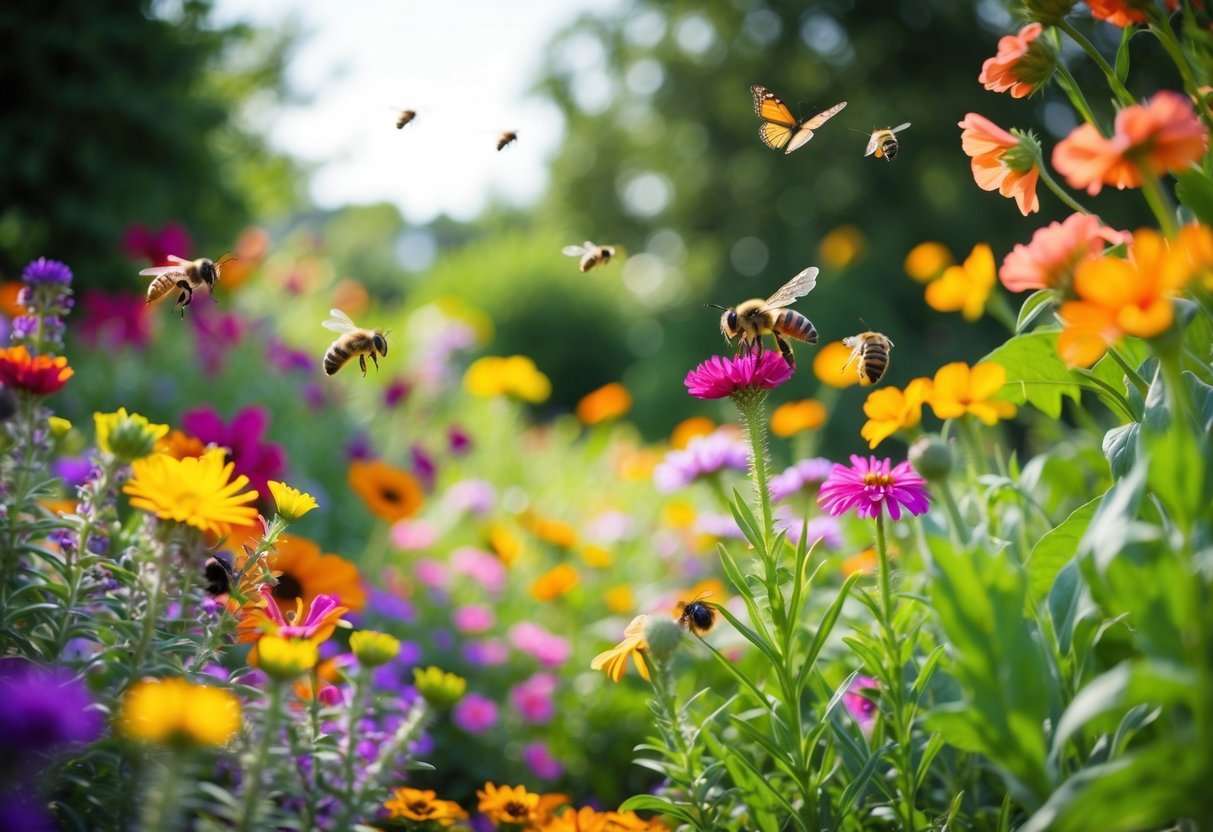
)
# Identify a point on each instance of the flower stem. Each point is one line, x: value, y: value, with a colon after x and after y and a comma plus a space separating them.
x: 1118, y: 89
x: 1160, y: 27
x: 1060, y: 192
x: 1159, y: 202
x: 1074, y: 93
x: 252, y: 783
x: 162, y: 811
x: 361, y: 689
x: 1143, y: 386
x: 955, y: 518
x: 753, y: 416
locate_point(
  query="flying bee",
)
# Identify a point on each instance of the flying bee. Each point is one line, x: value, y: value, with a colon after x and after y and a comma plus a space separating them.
x: 884, y: 142
x: 219, y: 575
x: 750, y: 320
x: 872, y: 351
x: 508, y: 137
x: 353, y: 341
x: 697, y: 616
x: 590, y: 254
x: 186, y: 275
x: 403, y: 117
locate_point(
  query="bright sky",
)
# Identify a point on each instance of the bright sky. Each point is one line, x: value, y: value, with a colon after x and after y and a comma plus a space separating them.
x: 465, y: 66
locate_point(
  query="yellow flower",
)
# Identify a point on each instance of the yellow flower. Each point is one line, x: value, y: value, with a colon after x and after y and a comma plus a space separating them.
x: 388, y: 492
x: 828, y: 362
x: 59, y: 426
x: 958, y: 390
x: 890, y: 410
x: 597, y: 557
x: 967, y: 287
x: 841, y: 247
x: 688, y: 429
x: 793, y: 417
x: 174, y: 712
x: 286, y: 658
x: 127, y: 437
x: 607, y: 402
x: 556, y: 532
x: 439, y: 688
x: 197, y: 490
x: 926, y: 261
x: 292, y: 503
x: 512, y: 805
x: 619, y: 599
x: 423, y: 807
x: 373, y: 648
x: 515, y: 376
x: 678, y: 514
x: 614, y: 661
x: 554, y: 583
x: 504, y: 543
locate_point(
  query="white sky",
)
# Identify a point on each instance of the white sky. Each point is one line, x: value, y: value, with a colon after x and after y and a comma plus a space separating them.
x: 464, y: 65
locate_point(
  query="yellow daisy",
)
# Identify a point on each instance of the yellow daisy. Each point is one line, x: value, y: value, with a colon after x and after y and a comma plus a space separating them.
x: 199, y: 491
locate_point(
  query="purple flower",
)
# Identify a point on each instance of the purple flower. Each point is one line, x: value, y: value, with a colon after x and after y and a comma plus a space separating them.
x: 808, y: 473
x: 114, y: 319
x: 423, y: 466
x: 488, y: 653
x: 396, y: 392
x: 718, y: 525
x: 43, y: 272
x: 861, y: 703
x: 719, y: 376
x: 869, y: 484
x: 824, y: 530
x: 285, y: 359
x: 40, y: 709
x: 703, y: 456
x: 216, y: 333
x: 458, y: 440
x: 388, y: 605
x: 73, y: 470
x: 532, y: 698
x: 541, y: 762
x: 257, y: 460
x: 359, y: 448
x: 475, y: 714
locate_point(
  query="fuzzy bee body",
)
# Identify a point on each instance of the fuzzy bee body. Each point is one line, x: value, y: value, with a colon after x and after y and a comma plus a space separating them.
x: 591, y: 255
x: 508, y: 137
x: 871, y: 350
x: 748, y: 321
x: 353, y: 341
x: 187, y: 275
x: 404, y: 118
x: 884, y: 142
x: 697, y: 616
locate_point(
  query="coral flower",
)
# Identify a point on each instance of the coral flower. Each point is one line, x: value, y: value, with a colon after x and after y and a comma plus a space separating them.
x: 926, y: 261
x: 389, y: 493
x: 959, y: 389
x: 794, y: 417
x: 554, y: 583
x: 614, y: 661
x: 174, y: 712
x: 607, y: 402
x: 868, y: 484
x: 1162, y: 136
x: 964, y: 288
x: 1120, y: 13
x: 890, y: 410
x: 40, y: 375
x: 262, y: 617
x: 826, y: 363
x: 1023, y: 64
x: 304, y: 574
x: 1002, y: 161
x: 512, y: 805
x: 1049, y: 260
x: 720, y: 376
x: 199, y: 491
x: 423, y: 806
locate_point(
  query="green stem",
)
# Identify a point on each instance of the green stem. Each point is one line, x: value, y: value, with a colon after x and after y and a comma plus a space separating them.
x: 677, y: 734
x: 1160, y: 27
x: 902, y: 721
x: 1074, y: 93
x: 998, y: 307
x: 1059, y: 192
x: 252, y: 782
x: 1143, y: 386
x: 361, y: 688
x: 1118, y: 89
x: 162, y: 811
x: 955, y: 518
x: 152, y: 608
x: 753, y: 416
x: 1159, y: 202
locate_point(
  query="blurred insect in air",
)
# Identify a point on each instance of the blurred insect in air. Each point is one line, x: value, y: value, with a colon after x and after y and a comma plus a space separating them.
x: 697, y: 616
x: 884, y: 142
x: 506, y: 138
x: 187, y: 275
x: 779, y: 128
x: 748, y: 321
x: 590, y: 254
x: 403, y: 117
x: 353, y: 341
x: 219, y: 575
x: 872, y: 351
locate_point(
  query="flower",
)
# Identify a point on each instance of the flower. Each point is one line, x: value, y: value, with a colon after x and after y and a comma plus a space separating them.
x: 515, y: 376
x: 504, y: 543
x: 1024, y: 63
x: 242, y: 437
x: 550, y: 649
x: 1048, y: 11
x: 868, y: 484
x: 481, y: 566
x: 863, y: 562
x: 423, y: 806
x: 1003, y: 161
x: 41, y: 709
x: 823, y: 530
x: 688, y: 429
x: 127, y: 437
x: 413, y: 535
x: 174, y: 712
x: 373, y: 648
x: 304, y: 574
x: 473, y: 618
x: 198, y: 491
x: 619, y: 599
x: 114, y: 319
x: 704, y: 456
x: 139, y: 242
x: 607, y: 402
x: 554, y: 583
x: 1120, y: 13
x: 841, y: 247
x: 475, y: 714
x: 1048, y: 261
x: 830, y: 363
x: 508, y: 805
x: 290, y: 502
x: 532, y: 698
x: 439, y: 688
x: 964, y: 288
x: 556, y: 532
x: 792, y: 418
x: 261, y: 617
x: 958, y: 389
x: 285, y: 658
x: 389, y: 493
x: 859, y: 704
x: 40, y: 375
x: 43, y: 272
x: 1161, y: 136
x: 719, y: 376
x: 180, y: 445
x: 926, y: 261
x: 471, y: 496
x: 807, y: 474
x: 890, y: 410
x: 539, y: 760
x: 614, y: 661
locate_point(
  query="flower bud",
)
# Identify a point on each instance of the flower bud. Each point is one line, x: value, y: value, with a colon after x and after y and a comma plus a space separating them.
x: 284, y: 659
x: 439, y: 688
x: 127, y: 437
x: 932, y: 457
x: 663, y: 636
x: 1049, y: 12
x: 1024, y: 156
x: 373, y: 649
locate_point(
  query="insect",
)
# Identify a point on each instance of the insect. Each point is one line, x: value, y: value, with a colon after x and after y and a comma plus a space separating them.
x: 404, y: 117
x: 884, y: 142
x: 750, y: 320
x: 872, y: 351
x: 353, y: 341
x: 508, y: 137
x: 186, y: 275
x: 779, y: 127
x: 219, y: 575
x: 590, y: 254
x: 697, y: 616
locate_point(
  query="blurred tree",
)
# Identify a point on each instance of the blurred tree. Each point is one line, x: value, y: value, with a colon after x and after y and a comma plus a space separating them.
x: 130, y: 112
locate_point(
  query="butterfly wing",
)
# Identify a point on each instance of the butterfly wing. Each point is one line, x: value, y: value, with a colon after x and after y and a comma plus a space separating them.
x: 806, y: 130
x: 339, y: 322
x: 774, y: 135
x: 797, y: 287
x: 778, y: 121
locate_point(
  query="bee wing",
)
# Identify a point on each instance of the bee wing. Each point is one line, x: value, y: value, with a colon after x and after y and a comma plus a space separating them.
x: 797, y: 287
x: 900, y: 127
x: 159, y: 270
x: 340, y: 322
x: 855, y: 342
x: 573, y: 251
x: 872, y: 142
x: 179, y: 260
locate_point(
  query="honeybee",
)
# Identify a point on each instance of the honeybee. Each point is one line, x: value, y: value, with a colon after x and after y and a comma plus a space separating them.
x: 404, y: 117
x: 750, y: 320
x: 697, y: 616
x: 884, y: 142
x: 872, y: 351
x: 186, y: 275
x: 590, y: 254
x: 353, y: 341
x: 508, y: 137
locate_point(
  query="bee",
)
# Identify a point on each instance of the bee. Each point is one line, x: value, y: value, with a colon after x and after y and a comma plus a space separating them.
x: 884, y: 142
x: 404, y: 117
x: 697, y: 616
x: 508, y: 137
x: 750, y: 320
x: 590, y: 254
x: 353, y: 341
x: 872, y: 351
x: 186, y: 275
x: 219, y: 575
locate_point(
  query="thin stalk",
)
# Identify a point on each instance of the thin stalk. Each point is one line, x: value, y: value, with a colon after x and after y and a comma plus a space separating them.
x: 351, y: 746
x: 162, y: 810
x: 1134, y: 377
x: 1074, y: 93
x: 1060, y: 192
x: 1160, y: 27
x: 152, y: 608
x: 252, y: 783
x: 902, y: 726
x: 955, y: 519
x: 1118, y: 89
x: 753, y: 416
x: 1159, y: 202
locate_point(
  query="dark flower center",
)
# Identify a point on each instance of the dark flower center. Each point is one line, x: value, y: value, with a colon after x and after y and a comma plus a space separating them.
x: 288, y: 588
x: 391, y: 495
x: 421, y: 807
x: 516, y: 810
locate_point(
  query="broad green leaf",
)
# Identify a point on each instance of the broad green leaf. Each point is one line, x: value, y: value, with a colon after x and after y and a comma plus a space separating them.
x: 1120, y: 447
x: 1122, y: 54
x: 1037, y: 303
x: 1195, y: 190
x: 1056, y: 549
x: 1035, y: 372
x: 1177, y: 472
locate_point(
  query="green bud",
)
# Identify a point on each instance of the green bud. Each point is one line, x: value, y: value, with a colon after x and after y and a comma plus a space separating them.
x: 1024, y: 156
x: 932, y: 457
x: 439, y: 688
x: 663, y: 635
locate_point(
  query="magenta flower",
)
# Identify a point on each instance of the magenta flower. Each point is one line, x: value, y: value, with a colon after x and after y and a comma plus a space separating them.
x: 550, y: 649
x: 869, y: 484
x: 473, y: 618
x: 861, y: 705
x: 259, y: 461
x: 140, y: 242
x: 719, y: 376
x: 541, y: 762
x: 532, y: 698
x: 481, y: 566
x: 113, y: 319
x: 475, y: 714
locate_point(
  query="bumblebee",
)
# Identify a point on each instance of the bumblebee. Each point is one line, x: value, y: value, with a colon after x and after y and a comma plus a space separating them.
x: 404, y: 117
x: 508, y: 137
x: 590, y: 254
x: 884, y: 142
x: 353, y: 341
x: 747, y: 322
x: 186, y: 275
x: 219, y: 575
x: 697, y: 616
x: 872, y: 351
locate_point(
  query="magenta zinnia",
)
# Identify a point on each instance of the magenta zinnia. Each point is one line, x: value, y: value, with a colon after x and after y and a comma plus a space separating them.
x: 869, y: 484
x: 720, y: 376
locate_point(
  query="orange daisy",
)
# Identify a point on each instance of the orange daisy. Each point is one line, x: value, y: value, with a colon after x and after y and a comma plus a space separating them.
x: 1002, y: 161
x: 303, y: 572
x: 607, y: 402
x: 388, y: 492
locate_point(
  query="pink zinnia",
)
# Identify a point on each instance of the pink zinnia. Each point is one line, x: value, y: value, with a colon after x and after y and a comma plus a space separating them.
x: 1055, y: 251
x: 473, y: 618
x: 719, y: 376
x: 532, y: 698
x: 869, y: 484
x: 541, y: 762
x: 550, y: 649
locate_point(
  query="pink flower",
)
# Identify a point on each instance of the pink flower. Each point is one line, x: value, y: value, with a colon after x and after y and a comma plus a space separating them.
x: 824, y: 531
x: 475, y: 714
x: 473, y: 618
x: 484, y: 568
x: 532, y: 698
x: 471, y: 496
x: 541, y: 762
x: 1055, y: 251
x: 431, y: 572
x: 242, y: 436
x: 871, y: 483
x: 1023, y: 63
x: 488, y: 653
x: 861, y: 707
x: 719, y: 376
x: 113, y: 319
x: 140, y: 242
x: 550, y: 649
x: 413, y: 535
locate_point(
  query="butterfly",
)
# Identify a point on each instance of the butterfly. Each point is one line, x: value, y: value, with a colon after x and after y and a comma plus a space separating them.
x: 779, y: 127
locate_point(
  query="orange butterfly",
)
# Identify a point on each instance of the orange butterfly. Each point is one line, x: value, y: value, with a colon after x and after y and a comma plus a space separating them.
x: 779, y: 127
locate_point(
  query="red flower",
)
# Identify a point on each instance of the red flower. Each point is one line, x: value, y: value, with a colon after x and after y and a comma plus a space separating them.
x: 40, y: 375
x: 1117, y: 12
x: 719, y: 377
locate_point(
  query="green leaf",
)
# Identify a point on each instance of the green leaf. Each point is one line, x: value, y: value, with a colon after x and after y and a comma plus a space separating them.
x: 1176, y: 473
x: 652, y: 803
x: 824, y: 629
x: 1195, y: 190
x: 1120, y: 447
x: 1037, y: 303
x: 1056, y: 549
x: 1035, y: 372
x: 1122, y: 54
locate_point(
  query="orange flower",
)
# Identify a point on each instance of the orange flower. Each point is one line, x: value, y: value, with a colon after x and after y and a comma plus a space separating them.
x: 965, y: 288
x: 556, y: 532
x: 614, y: 661
x: 841, y: 247
x: 316, y: 622
x: 619, y: 599
x: 607, y: 402
x: 40, y: 375
x: 864, y: 562
x: 890, y: 410
x: 827, y: 361
x: 504, y: 543
x: 180, y: 445
x: 1162, y: 136
x: 10, y: 290
x: 688, y: 429
x: 793, y: 417
x: 554, y: 583
x: 423, y: 806
x: 388, y: 492
x: 1120, y: 13
x: 512, y: 805
x: 958, y: 389
x: 1022, y: 66
x: 1002, y: 161
x: 303, y: 572
x: 926, y: 261
x: 1049, y: 260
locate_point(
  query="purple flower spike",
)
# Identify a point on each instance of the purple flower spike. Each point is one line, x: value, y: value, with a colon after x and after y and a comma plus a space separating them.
x: 43, y: 272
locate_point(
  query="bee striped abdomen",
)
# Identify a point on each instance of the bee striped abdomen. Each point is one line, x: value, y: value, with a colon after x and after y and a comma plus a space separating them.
x: 889, y: 148
x: 794, y: 325
x: 335, y: 359
x: 161, y: 286
x: 873, y: 362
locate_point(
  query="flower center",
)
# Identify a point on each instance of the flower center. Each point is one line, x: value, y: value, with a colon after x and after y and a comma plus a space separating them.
x: 390, y: 495
x: 884, y: 480
x: 421, y: 807
x: 288, y: 588
x: 514, y: 809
